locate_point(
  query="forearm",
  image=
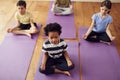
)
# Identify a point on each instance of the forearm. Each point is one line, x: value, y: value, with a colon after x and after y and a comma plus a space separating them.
x: 66, y: 56
x: 54, y: 6
x: 44, y: 59
x: 18, y: 24
x: 32, y: 23
x: 90, y: 28
x: 108, y: 32
x: 69, y: 62
x: 89, y: 31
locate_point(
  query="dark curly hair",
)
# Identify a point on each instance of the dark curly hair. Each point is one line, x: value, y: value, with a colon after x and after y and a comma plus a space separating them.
x: 52, y: 27
x: 21, y: 3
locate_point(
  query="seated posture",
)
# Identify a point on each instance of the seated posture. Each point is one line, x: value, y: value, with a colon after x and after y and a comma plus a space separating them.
x: 62, y: 7
x: 24, y: 19
x: 55, y: 58
x: 99, y: 30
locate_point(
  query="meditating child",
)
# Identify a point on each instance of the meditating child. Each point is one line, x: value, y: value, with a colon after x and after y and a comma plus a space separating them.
x: 99, y: 30
x: 62, y: 7
x: 55, y: 58
x: 25, y: 24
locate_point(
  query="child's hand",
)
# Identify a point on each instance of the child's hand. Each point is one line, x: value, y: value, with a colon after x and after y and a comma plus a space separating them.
x: 9, y: 30
x: 71, y: 7
x: 84, y: 36
x: 42, y: 67
x: 69, y: 63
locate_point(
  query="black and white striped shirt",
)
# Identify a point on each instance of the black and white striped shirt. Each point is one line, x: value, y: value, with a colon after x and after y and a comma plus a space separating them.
x: 54, y: 50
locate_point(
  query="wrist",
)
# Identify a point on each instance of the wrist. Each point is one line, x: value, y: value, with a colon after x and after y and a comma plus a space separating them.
x: 43, y: 64
x: 68, y: 60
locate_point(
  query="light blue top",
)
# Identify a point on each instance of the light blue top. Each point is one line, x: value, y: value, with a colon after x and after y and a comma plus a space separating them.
x: 101, y: 23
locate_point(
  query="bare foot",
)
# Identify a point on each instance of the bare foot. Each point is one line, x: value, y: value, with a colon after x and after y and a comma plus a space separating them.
x: 57, y: 14
x: 67, y: 73
x: 108, y: 43
x: 94, y: 36
x: 29, y: 35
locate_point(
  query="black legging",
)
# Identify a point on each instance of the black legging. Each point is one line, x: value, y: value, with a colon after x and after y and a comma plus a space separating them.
x: 26, y: 26
x: 59, y: 63
x: 99, y: 37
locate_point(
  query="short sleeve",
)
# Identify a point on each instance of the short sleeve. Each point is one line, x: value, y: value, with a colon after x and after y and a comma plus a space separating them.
x: 65, y: 46
x: 16, y: 16
x: 110, y: 20
x: 44, y: 48
x: 94, y: 17
x: 31, y: 16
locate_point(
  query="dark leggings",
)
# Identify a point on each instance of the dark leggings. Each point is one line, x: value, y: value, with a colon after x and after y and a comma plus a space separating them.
x: 59, y: 63
x: 26, y: 26
x: 99, y: 37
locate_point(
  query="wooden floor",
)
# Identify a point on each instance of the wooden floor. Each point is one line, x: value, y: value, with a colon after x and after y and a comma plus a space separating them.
x: 82, y: 12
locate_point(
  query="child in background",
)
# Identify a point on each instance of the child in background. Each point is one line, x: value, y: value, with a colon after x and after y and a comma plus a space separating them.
x: 55, y: 57
x: 25, y: 24
x: 62, y: 7
x: 99, y: 30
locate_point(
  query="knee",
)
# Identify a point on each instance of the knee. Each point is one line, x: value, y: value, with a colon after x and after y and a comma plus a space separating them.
x: 71, y: 67
x: 33, y: 31
x: 87, y: 39
x: 70, y: 11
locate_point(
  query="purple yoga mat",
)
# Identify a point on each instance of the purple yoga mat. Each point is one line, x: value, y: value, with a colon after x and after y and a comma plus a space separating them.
x: 67, y: 23
x: 15, y: 56
x: 99, y: 61
x: 75, y: 73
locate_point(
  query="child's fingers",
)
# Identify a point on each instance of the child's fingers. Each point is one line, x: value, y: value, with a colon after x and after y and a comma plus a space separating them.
x: 42, y: 67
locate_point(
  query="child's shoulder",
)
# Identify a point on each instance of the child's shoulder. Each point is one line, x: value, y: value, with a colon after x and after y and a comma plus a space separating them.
x: 17, y: 13
x: 46, y: 42
x: 61, y: 40
x: 28, y: 12
x: 96, y: 14
x: 109, y: 16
